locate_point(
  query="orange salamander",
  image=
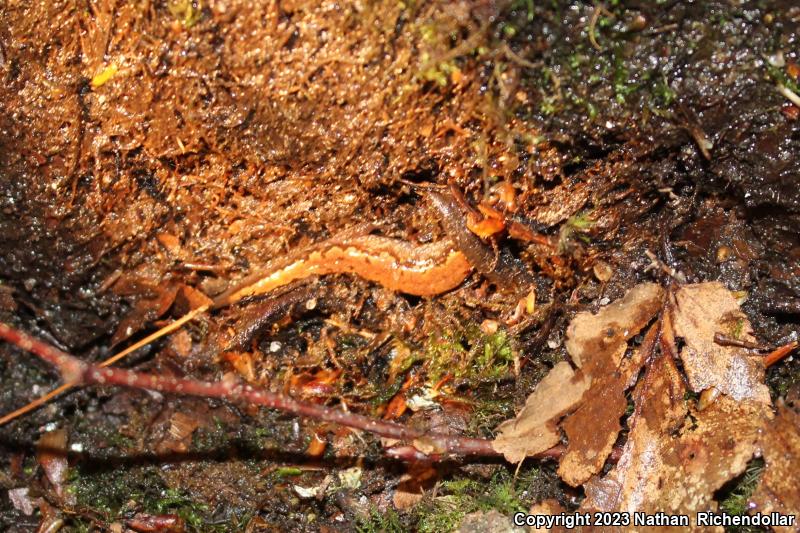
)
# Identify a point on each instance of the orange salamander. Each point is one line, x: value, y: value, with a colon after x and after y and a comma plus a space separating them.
x: 423, y: 270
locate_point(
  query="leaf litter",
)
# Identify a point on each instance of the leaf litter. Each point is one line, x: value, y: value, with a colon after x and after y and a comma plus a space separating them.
x: 699, y: 414
x: 779, y: 444
x: 596, y: 344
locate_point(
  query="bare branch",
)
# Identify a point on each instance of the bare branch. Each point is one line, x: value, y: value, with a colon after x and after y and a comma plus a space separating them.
x: 77, y: 372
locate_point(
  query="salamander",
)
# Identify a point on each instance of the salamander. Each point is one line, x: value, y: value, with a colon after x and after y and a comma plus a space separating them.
x: 424, y: 270
x: 421, y: 270
x: 501, y: 267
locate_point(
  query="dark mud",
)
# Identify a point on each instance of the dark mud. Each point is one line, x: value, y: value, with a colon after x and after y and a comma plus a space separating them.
x: 147, y: 147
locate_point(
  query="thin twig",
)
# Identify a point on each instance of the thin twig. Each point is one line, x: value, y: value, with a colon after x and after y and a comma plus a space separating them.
x: 76, y: 372
x: 726, y: 340
x: 779, y: 353
x: 658, y: 264
x: 169, y: 328
x: 599, y: 9
x: 518, y: 59
x: 789, y: 94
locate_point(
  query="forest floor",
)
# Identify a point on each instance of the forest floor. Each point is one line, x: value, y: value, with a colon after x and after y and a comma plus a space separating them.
x: 152, y: 154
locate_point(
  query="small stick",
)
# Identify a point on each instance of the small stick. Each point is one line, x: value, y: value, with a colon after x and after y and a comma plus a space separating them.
x: 169, y: 328
x: 779, y: 353
x: 726, y: 340
x: 789, y: 94
x: 518, y: 59
x: 658, y: 264
x: 599, y: 9
x: 76, y: 372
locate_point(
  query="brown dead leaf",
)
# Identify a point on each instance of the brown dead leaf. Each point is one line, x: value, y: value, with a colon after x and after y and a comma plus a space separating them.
x: 146, y: 310
x: 189, y: 298
x: 402, y: 499
x: 592, y: 430
x: 534, y: 429
x: 779, y: 487
x: 594, y: 427
x: 659, y: 411
x: 182, y: 425
x: 51, y: 517
x: 673, y: 463
x: 596, y: 343
x: 171, y: 244
x: 700, y: 311
x: 51, y: 453
x: 243, y: 363
x: 412, y: 485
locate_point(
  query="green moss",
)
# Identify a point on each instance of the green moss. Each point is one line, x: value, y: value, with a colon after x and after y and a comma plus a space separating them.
x: 582, y: 221
x: 444, y: 515
x: 118, y: 493
x: 175, y: 501
x: 380, y: 522
x: 468, y: 353
x: 188, y: 12
x: 548, y: 106
x: 461, y: 496
x: 779, y: 76
x: 663, y: 93
x: 112, y: 492
x: 212, y: 439
x: 494, y: 360
x: 621, y: 79
x: 488, y: 412
x: 527, y: 5
x: 439, y: 72
x: 734, y: 500
x: 737, y: 328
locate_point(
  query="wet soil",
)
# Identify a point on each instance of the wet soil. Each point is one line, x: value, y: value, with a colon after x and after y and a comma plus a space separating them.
x: 151, y: 147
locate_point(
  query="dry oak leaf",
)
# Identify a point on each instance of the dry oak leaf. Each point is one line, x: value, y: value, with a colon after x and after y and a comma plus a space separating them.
x: 701, y: 311
x: 189, y: 298
x: 660, y: 409
x: 677, y: 470
x: 708, y: 455
x: 544, y: 509
x: 596, y: 343
x: 779, y: 487
x: 594, y: 427
x: 534, y: 430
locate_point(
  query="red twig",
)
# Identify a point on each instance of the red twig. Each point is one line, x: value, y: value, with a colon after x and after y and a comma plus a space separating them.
x: 77, y: 372
x: 779, y: 353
